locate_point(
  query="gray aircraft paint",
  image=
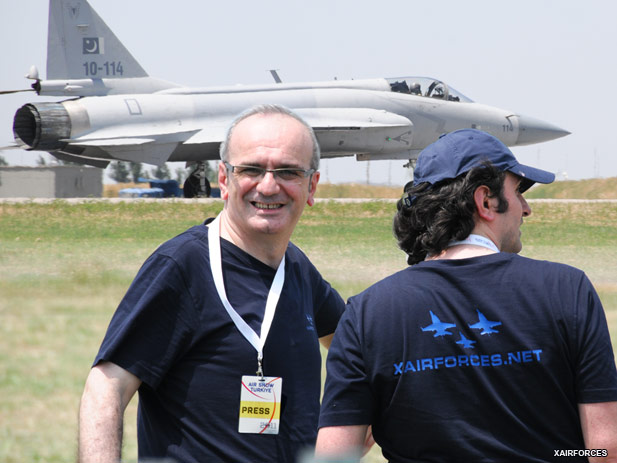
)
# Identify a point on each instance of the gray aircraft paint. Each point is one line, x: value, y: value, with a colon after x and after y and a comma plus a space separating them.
x: 118, y: 112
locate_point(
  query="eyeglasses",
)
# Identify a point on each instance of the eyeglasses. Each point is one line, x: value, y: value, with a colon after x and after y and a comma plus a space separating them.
x: 283, y: 174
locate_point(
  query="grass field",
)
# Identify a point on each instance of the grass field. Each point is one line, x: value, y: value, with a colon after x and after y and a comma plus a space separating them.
x: 64, y: 267
x: 597, y: 188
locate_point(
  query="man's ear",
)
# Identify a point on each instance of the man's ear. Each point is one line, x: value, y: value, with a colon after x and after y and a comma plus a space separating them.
x: 485, y: 207
x: 223, y: 178
x: 312, y: 188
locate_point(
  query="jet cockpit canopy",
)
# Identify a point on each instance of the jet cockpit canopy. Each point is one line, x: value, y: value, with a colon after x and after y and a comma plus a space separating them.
x: 426, y: 86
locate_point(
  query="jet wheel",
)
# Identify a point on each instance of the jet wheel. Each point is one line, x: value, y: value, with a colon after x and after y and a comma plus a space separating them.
x: 197, y: 185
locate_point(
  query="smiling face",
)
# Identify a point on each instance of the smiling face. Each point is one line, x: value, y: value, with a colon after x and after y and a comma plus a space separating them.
x: 267, y: 207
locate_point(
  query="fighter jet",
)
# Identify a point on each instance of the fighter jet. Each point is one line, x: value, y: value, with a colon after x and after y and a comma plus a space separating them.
x: 116, y: 111
x: 440, y: 328
x: 466, y: 343
x: 485, y: 325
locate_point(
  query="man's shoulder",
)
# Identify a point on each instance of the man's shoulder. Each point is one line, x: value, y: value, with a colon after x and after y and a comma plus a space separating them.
x: 195, y: 239
x: 295, y: 254
x: 414, y: 280
x: 544, y: 265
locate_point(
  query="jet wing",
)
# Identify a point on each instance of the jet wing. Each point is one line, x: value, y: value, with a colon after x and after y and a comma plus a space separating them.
x: 94, y: 162
x: 339, y: 130
x: 152, y: 149
x: 214, y: 131
x: 332, y: 118
x: 358, y: 130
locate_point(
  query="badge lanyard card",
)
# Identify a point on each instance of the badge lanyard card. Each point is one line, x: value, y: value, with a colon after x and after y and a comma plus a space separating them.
x: 260, y: 397
x: 477, y: 240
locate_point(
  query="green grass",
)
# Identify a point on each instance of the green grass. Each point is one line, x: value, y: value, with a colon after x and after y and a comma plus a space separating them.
x: 64, y: 268
x: 597, y: 188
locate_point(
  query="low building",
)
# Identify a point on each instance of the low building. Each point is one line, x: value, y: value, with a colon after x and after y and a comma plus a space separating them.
x: 51, y: 182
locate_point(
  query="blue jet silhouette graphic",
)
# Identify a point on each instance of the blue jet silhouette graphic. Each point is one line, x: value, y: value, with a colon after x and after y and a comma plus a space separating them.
x: 438, y: 326
x: 485, y: 325
x: 466, y: 343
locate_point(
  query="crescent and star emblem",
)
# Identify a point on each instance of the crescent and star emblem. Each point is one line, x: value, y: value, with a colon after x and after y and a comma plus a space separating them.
x: 91, y: 46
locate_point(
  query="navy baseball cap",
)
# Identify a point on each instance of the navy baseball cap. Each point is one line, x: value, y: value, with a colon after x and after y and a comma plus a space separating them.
x: 457, y: 152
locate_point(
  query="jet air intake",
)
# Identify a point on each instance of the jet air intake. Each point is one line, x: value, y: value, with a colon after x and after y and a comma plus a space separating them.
x: 42, y: 126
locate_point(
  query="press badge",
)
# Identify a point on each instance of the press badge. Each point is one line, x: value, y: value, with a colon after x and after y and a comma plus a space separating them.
x: 260, y: 396
x: 260, y: 404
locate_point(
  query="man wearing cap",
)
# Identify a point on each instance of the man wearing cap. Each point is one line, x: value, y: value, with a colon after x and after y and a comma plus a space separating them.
x: 473, y: 353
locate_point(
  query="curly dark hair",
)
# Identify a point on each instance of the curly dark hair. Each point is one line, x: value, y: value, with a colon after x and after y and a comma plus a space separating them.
x: 430, y: 216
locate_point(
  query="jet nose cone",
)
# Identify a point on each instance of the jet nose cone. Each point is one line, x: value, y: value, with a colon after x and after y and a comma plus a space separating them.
x: 531, y: 130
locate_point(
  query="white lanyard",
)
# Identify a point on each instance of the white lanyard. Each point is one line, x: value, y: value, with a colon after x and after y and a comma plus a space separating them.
x: 216, y: 265
x: 476, y: 240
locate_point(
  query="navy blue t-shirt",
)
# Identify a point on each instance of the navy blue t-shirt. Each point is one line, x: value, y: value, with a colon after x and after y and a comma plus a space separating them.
x: 172, y: 331
x: 482, y: 359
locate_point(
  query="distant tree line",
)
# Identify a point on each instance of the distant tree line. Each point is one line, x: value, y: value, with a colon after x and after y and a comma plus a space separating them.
x: 42, y: 162
x: 125, y: 172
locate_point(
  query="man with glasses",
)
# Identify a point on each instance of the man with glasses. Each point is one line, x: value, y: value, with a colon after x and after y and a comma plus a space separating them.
x: 219, y: 331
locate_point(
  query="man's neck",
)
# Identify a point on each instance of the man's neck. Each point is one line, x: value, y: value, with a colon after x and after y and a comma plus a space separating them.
x: 461, y: 251
x: 480, y: 245
x: 268, y: 249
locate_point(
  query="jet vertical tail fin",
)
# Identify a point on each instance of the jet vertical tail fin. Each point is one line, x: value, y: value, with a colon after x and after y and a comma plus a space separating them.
x: 84, y: 56
x: 80, y: 45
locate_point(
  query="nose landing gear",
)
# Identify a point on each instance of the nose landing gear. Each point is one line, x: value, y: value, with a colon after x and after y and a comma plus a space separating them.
x: 197, y: 185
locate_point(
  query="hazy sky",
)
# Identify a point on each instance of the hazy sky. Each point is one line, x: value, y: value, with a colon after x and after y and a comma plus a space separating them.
x: 552, y: 60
